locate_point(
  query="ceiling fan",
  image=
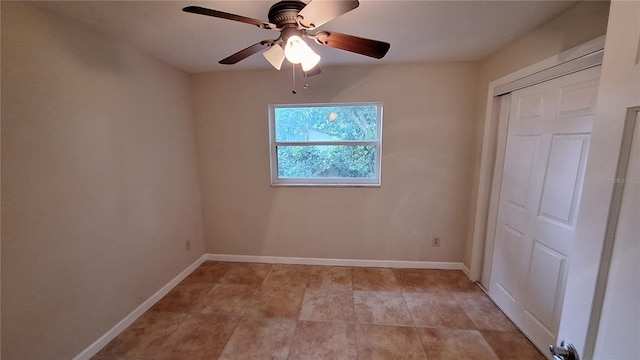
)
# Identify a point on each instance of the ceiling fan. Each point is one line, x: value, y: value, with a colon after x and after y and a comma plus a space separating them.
x: 294, y: 19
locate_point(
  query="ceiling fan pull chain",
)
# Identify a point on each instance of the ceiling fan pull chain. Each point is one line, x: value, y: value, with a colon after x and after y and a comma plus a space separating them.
x: 294, y: 91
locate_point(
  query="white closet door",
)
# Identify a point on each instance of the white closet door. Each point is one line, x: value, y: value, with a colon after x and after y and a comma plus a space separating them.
x: 547, y: 146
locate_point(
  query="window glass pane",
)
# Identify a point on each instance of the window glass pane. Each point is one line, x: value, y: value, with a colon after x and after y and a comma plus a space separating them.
x: 327, y: 161
x: 326, y: 123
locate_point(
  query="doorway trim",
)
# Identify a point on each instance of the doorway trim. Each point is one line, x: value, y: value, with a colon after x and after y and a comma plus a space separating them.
x: 575, y: 59
x: 632, y: 120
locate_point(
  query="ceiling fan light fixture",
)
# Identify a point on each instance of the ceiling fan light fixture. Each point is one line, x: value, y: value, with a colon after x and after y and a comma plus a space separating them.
x: 298, y: 52
x: 312, y: 59
x: 275, y: 56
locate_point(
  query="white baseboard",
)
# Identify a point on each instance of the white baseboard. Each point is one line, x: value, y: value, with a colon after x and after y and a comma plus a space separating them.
x: 466, y: 270
x: 337, y: 262
x: 97, y: 345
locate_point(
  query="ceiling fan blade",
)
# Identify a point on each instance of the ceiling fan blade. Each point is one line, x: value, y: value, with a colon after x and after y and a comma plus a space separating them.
x: 318, y: 12
x: 223, y: 15
x: 245, y: 53
x: 372, y: 48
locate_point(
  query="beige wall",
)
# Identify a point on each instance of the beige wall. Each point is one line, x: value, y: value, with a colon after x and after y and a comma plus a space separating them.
x: 99, y: 183
x: 584, y: 21
x: 426, y: 165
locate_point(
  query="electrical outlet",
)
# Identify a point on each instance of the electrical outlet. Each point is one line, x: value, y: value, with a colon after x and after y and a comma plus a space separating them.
x: 187, y: 245
x: 436, y: 241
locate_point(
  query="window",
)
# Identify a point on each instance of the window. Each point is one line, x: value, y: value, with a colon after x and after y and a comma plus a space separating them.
x: 326, y: 144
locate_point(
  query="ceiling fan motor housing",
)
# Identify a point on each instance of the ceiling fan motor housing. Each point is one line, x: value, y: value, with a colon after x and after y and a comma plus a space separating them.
x: 285, y: 13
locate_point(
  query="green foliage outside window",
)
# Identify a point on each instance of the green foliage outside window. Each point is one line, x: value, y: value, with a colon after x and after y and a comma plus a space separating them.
x: 326, y: 161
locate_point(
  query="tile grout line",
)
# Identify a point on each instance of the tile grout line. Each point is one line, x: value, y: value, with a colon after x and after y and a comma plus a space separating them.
x: 353, y: 307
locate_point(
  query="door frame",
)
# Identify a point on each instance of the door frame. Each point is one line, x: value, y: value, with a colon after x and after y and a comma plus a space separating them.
x: 494, y: 140
x: 632, y: 121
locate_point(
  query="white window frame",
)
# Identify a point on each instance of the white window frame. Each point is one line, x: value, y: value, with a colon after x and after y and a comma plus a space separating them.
x: 325, y: 181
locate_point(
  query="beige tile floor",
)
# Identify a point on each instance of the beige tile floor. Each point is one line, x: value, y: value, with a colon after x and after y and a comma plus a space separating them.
x: 260, y: 311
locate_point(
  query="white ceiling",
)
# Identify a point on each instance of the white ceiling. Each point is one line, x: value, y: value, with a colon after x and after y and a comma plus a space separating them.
x: 419, y: 31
